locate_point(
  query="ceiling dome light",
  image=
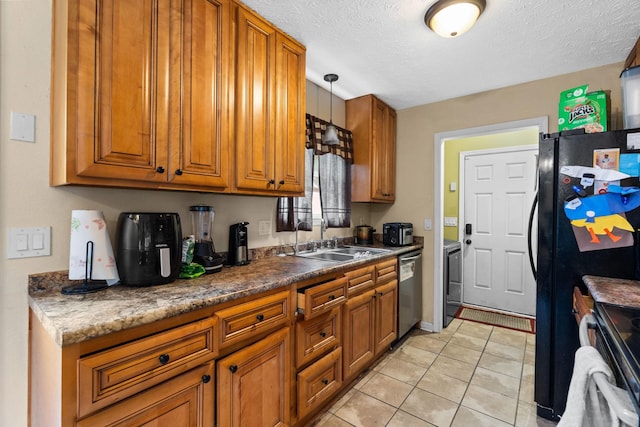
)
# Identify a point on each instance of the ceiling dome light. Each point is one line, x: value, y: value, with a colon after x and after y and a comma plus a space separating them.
x: 451, y: 18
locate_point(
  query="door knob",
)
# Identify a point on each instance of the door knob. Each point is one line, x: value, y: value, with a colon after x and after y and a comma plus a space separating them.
x: 468, y: 241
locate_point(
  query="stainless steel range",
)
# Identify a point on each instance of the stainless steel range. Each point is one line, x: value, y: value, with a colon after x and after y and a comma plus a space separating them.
x: 618, y: 341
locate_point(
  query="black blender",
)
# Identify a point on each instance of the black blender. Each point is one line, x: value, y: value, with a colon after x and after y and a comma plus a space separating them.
x: 204, y: 251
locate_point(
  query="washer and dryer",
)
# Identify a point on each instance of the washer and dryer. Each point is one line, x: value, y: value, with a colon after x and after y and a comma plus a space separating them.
x: 452, y: 280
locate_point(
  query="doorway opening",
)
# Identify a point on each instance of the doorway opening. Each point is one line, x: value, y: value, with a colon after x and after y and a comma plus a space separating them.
x: 440, y: 139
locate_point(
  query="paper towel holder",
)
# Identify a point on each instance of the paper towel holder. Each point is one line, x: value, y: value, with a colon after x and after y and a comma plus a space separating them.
x: 88, y: 285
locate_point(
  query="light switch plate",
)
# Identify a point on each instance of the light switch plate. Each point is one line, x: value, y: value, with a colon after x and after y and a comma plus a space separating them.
x: 428, y: 224
x: 450, y: 221
x: 23, y: 127
x: 27, y: 242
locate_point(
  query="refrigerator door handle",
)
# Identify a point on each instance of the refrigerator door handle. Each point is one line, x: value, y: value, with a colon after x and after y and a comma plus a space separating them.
x: 534, y: 206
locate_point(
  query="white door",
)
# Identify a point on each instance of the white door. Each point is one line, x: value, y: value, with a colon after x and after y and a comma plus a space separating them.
x: 499, y: 189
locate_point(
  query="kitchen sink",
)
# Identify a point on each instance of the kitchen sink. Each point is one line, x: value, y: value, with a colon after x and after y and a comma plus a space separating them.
x: 347, y: 253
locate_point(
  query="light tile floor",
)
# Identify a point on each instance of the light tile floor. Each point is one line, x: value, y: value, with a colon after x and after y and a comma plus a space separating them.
x: 470, y: 374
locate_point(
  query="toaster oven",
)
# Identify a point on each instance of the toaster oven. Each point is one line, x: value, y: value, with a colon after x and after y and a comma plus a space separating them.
x: 397, y: 233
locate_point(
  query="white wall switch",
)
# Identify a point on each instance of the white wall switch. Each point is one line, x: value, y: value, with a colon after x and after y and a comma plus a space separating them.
x: 453, y: 186
x: 264, y: 227
x: 427, y: 224
x: 450, y: 221
x: 23, y: 127
x: 27, y: 242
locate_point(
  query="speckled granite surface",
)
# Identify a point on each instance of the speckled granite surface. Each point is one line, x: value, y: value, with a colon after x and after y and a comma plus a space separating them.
x: 613, y: 291
x: 72, y: 319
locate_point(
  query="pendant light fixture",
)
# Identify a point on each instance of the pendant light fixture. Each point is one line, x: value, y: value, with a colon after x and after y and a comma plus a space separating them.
x: 330, y: 136
x: 451, y: 18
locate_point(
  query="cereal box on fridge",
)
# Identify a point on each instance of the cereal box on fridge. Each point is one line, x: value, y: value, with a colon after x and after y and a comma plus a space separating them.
x: 580, y: 109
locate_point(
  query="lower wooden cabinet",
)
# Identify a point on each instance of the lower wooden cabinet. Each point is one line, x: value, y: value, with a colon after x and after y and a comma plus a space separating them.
x: 369, y: 326
x: 386, y: 314
x: 184, y: 401
x: 254, y: 384
x: 318, y: 382
x: 358, y: 327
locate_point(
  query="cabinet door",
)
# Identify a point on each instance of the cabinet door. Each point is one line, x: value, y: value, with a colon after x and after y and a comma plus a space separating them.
x: 121, y: 102
x: 290, y: 115
x: 383, y: 157
x: 254, y: 384
x: 185, y: 401
x: 386, y: 329
x: 255, y: 88
x: 358, y: 340
x: 199, y: 142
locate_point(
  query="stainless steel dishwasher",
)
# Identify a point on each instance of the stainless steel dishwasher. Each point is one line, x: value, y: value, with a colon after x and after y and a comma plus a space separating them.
x: 409, y: 291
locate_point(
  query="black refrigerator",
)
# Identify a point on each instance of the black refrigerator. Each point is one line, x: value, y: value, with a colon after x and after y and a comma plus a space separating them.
x: 588, y: 223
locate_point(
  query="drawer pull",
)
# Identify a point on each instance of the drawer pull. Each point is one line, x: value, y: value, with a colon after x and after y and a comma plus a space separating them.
x: 323, y: 334
x: 206, y: 378
x: 260, y: 317
x: 325, y: 381
x: 332, y: 297
x: 164, y: 359
x: 233, y: 368
x: 160, y: 169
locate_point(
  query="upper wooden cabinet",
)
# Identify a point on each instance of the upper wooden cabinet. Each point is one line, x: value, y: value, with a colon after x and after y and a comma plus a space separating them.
x: 143, y: 96
x: 373, y: 124
x: 633, y: 58
x: 270, y: 108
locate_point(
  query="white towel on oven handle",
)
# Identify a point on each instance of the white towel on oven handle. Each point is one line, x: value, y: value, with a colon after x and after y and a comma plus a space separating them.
x: 586, y: 406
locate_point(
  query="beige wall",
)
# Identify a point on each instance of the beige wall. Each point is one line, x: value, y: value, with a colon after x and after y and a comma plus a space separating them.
x: 418, y: 125
x: 27, y: 200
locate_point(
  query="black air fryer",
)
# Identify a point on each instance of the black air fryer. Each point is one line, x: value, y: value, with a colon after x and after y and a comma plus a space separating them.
x: 149, y: 248
x: 238, y: 244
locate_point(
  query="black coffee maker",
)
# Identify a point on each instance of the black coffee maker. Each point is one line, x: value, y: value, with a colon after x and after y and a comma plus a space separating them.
x: 238, y: 244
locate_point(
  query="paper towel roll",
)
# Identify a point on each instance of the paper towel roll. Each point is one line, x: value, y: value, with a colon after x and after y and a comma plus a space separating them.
x: 90, y: 226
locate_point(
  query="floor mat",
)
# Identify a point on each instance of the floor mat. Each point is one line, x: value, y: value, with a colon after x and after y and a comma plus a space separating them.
x: 515, y: 322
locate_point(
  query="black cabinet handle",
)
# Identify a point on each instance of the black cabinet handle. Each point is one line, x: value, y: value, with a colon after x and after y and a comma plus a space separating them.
x: 178, y: 171
x: 323, y: 334
x: 272, y: 181
x: 164, y: 359
x: 281, y: 182
x: 332, y: 297
x: 160, y: 169
x: 233, y: 368
x: 260, y: 317
x: 325, y: 381
x: 206, y: 378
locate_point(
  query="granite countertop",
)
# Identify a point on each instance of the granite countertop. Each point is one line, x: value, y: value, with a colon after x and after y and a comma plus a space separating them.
x: 71, y: 319
x: 609, y: 290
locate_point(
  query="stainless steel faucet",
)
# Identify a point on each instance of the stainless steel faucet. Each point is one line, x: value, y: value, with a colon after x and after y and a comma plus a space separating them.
x: 295, y: 248
x: 323, y: 228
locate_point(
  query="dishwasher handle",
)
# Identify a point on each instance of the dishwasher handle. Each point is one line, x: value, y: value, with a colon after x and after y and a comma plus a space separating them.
x: 411, y: 258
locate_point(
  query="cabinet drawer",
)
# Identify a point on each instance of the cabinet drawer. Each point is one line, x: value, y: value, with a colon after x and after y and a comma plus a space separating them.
x: 184, y: 399
x: 386, y: 271
x: 112, y: 375
x: 316, y: 336
x: 246, y: 320
x: 319, y: 382
x: 360, y: 279
x: 318, y: 299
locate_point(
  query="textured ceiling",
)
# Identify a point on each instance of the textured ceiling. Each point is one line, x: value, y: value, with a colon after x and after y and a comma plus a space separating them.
x: 383, y: 47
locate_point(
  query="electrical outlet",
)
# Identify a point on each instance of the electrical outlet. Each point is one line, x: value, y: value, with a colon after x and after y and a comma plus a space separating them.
x: 427, y: 224
x: 264, y: 228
